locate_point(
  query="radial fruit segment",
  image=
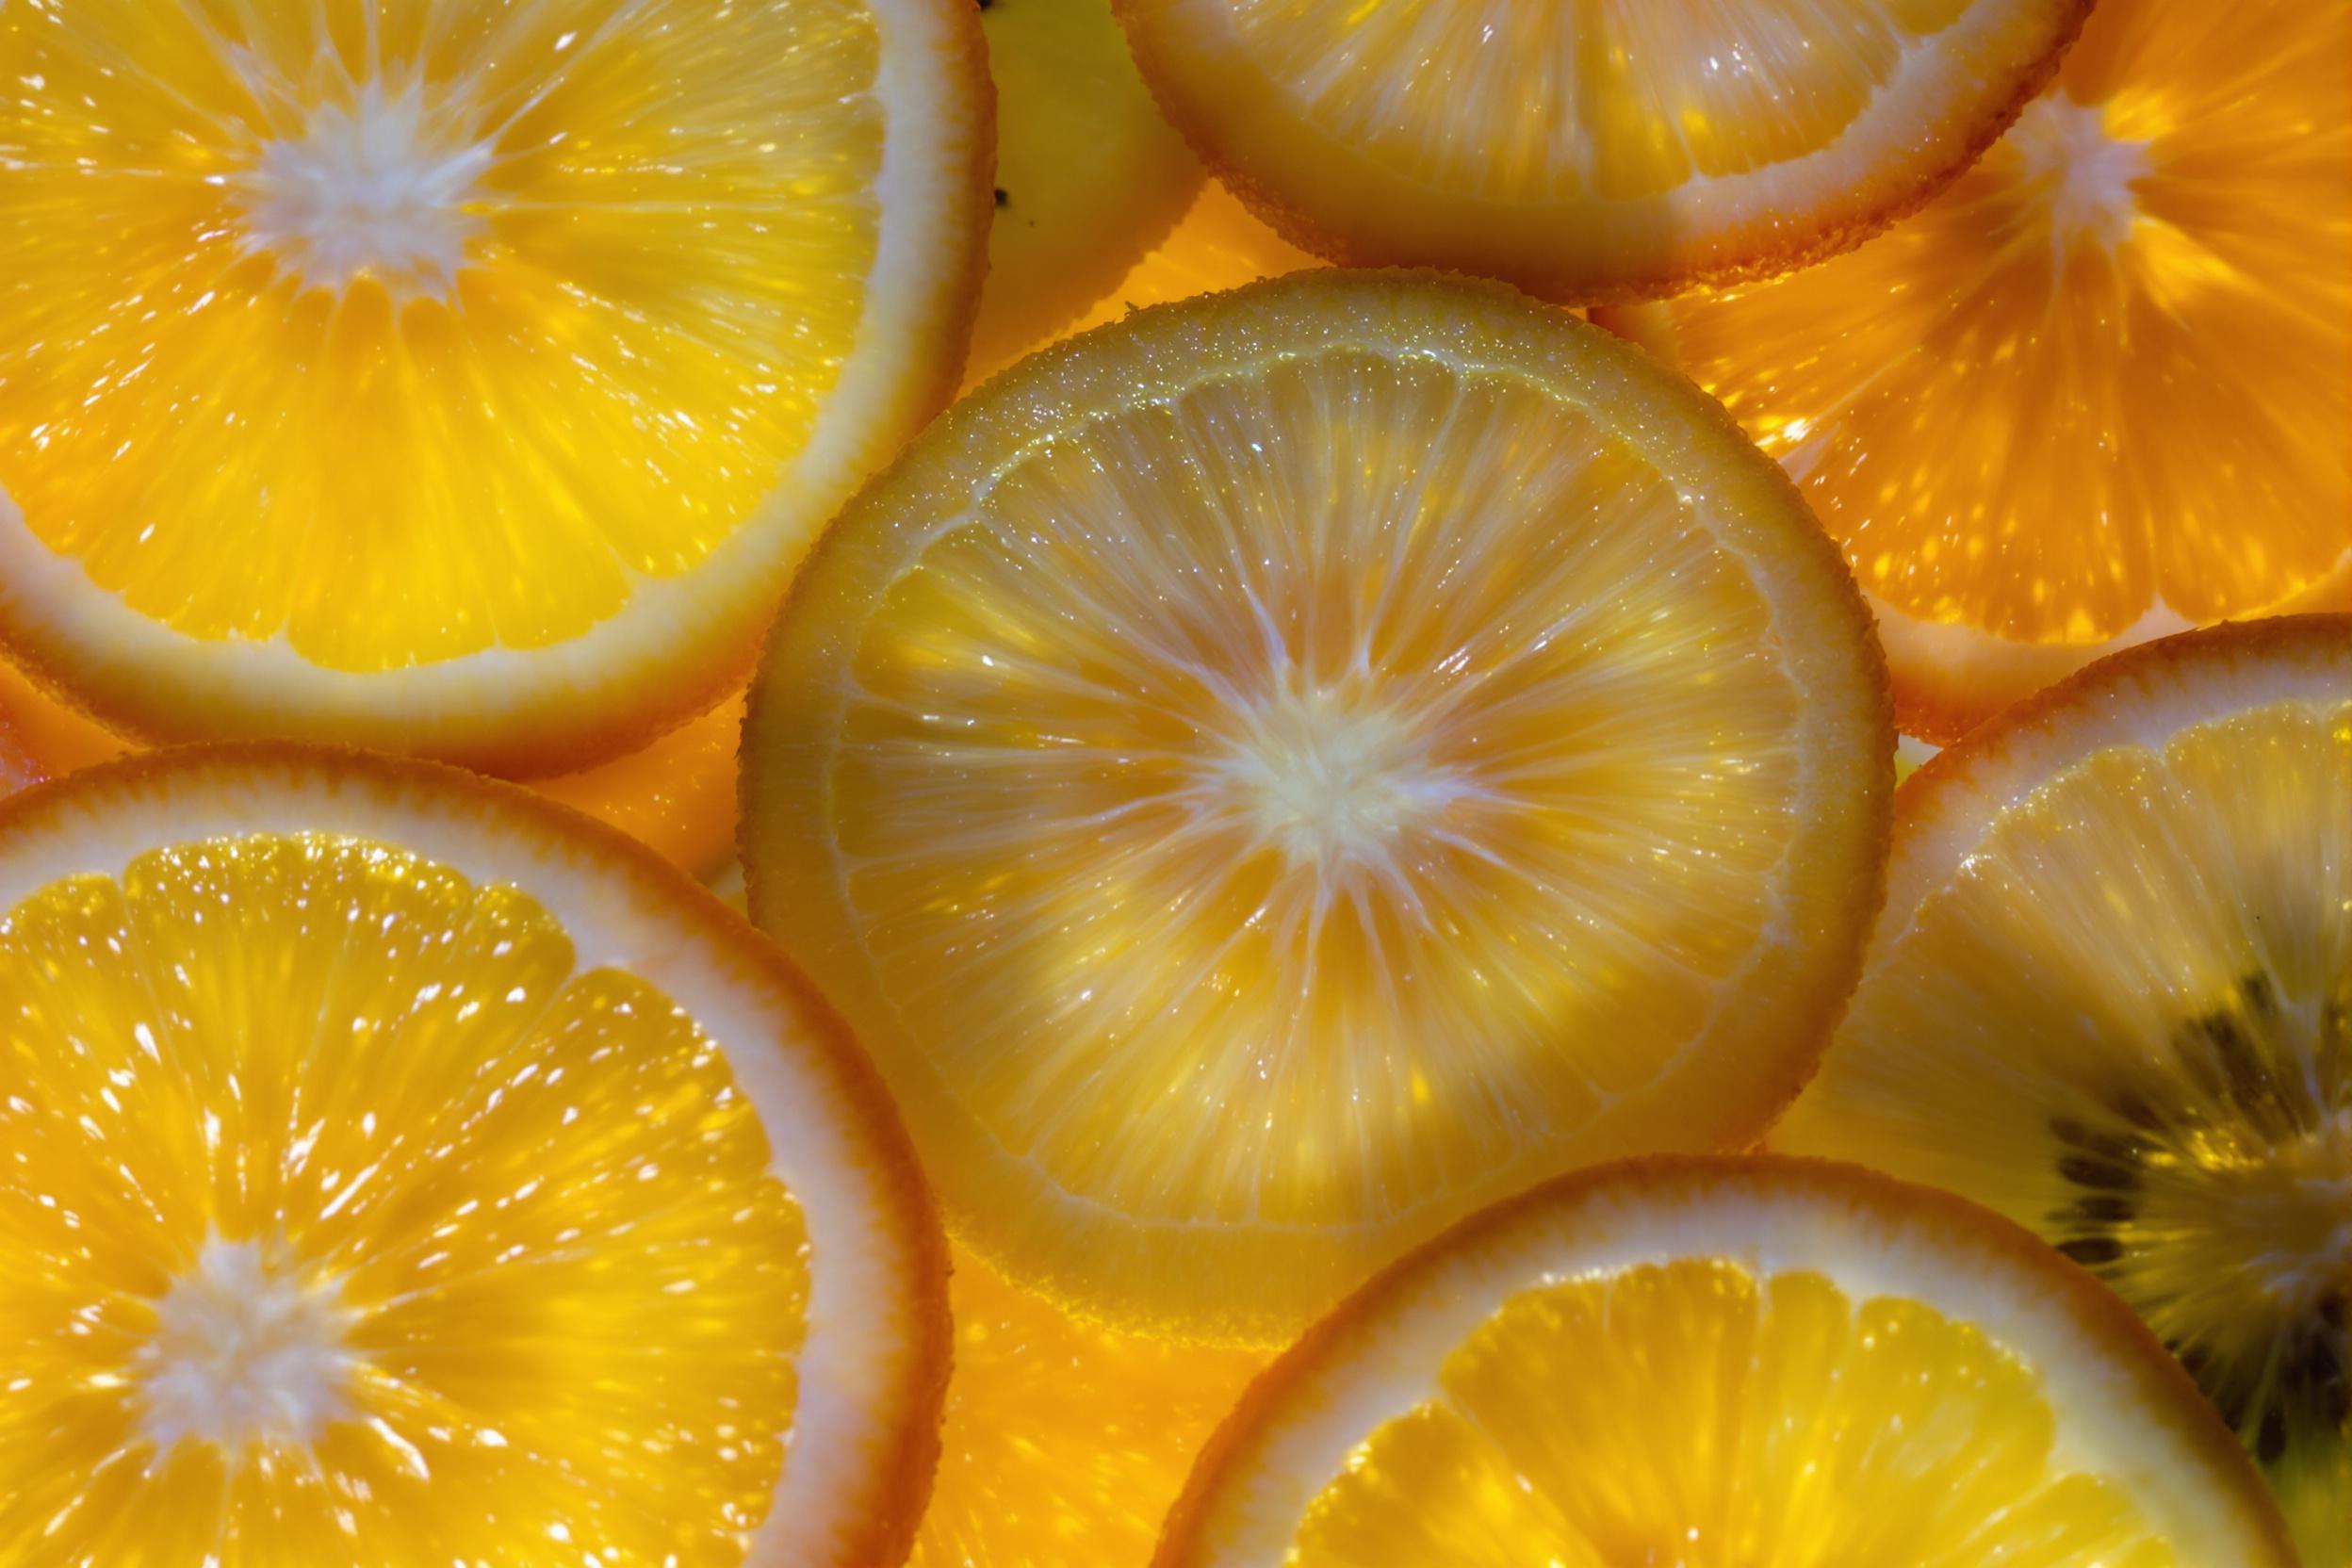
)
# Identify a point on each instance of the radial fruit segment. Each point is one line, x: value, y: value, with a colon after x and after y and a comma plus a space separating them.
x: 1270, y: 775
x: 402, y: 1173
x: 2111, y: 997
x: 1774, y: 1365
x: 456, y: 380
x: 1588, y: 151
x: 2098, y: 391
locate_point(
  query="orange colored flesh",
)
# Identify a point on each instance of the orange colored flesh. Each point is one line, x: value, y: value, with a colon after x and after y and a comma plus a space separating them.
x: 2099, y: 390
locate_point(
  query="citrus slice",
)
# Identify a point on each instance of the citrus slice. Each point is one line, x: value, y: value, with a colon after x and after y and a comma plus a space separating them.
x: 1064, y: 1442
x: 2111, y: 997
x: 1767, y: 1363
x: 459, y: 380
x: 2098, y: 392
x: 1088, y: 175
x: 1270, y: 775
x: 400, y: 1170
x: 1592, y: 151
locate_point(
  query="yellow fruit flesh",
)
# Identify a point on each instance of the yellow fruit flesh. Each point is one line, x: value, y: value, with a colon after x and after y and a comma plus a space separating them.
x: 1250, y: 799
x: 530, y: 303
x: 1696, y: 1414
x: 507, y: 1218
x: 2124, y: 1023
x: 1065, y: 1443
x: 2109, y: 372
x: 1650, y: 96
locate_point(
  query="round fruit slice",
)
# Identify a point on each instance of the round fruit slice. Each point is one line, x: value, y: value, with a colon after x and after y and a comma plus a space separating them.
x: 1754, y: 1362
x: 1271, y: 776
x: 1088, y: 175
x: 2098, y: 392
x: 1585, y: 151
x: 401, y: 1170
x: 2111, y: 997
x: 458, y: 379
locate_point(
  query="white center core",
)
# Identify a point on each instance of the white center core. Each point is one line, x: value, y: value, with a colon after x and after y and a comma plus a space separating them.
x: 242, y: 1354
x: 381, y: 187
x: 2088, y: 174
x: 1332, y: 778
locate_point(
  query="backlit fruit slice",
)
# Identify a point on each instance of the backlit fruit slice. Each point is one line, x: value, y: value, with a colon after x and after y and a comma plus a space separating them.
x: 1064, y: 1443
x: 2111, y: 997
x: 1271, y: 776
x: 399, y: 1170
x: 1088, y: 175
x: 1593, y: 149
x: 1772, y: 1363
x: 454, y: 379
x: 2097, y: 392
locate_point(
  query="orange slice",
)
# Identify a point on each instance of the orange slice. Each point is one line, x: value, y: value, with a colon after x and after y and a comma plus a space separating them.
x: 401, y: 1170
x: 2111, y: 996
x: 2098, y: 391
x: 1592, y: 151
x: 1726, y: 1362
x: 452, y: 379
x: 1270, y: 775
x: 1088, y: 176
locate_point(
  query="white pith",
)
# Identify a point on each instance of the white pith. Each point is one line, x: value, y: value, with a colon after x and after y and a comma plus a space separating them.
x: 1333, y: 775
x: 380, y: 188
x: 2086, y: 176
x: 243, y: 1352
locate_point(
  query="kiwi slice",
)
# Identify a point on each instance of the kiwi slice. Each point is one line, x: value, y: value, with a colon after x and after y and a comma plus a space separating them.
x: 2111, y: 995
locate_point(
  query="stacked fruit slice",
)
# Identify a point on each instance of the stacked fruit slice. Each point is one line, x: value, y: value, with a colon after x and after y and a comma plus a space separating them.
x: 1726, y: 1362
x: 2098, y: 391
x: 576, y: 318
x: 1281, y: 771
x: 400, y: 1170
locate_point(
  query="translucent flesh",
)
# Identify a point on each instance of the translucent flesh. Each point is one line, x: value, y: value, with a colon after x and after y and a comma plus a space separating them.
x: 1293, y: 798
x: 2124, y: 1023
x: 668, y: 238
x: 1692, y: 1413
x: 1065, y: 1443
x: 1642, y: 96
x: 573, y: 1291
x: 2111, y: 369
